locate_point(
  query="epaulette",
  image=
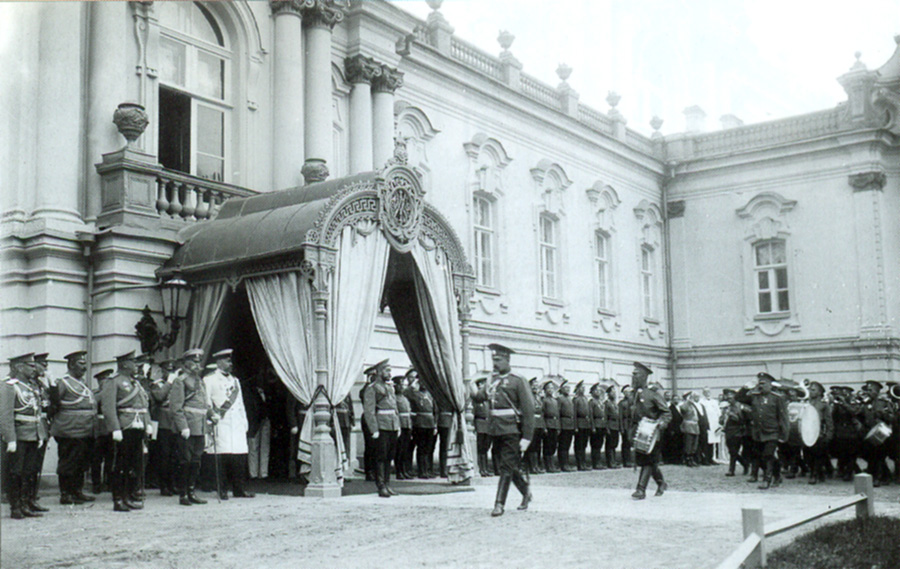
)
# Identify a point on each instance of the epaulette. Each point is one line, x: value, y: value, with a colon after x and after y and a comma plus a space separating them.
x: 11, y: 380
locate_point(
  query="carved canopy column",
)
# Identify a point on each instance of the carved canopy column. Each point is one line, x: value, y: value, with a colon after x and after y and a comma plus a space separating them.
x: 360, y: 72
x: 319, y: 19
x: 383, y: 87
x: 288, y: 126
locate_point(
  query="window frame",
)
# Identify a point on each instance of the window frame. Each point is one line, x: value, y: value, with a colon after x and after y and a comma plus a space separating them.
x: 603, y: 283
x: 773, y: 290
x: 648, y: 282
x: 553, y: 248
x: 491, y: 232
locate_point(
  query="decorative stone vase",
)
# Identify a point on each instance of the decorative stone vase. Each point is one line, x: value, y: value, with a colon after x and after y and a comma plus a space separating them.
x: 131, y: 120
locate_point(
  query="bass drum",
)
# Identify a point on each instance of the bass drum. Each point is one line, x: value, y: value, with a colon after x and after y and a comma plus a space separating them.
x: 805, y: 424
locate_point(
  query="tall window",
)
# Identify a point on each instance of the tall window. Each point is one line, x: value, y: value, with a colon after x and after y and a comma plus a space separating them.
x: 484, y: 242
x: 771, y: 277
x: 549, y: 250
x: 647, y: 280
x: 601, y: 262
x: 194, y: 104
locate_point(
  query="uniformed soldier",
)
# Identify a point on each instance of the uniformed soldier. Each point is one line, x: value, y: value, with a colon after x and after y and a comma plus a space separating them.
x: 411, y: 389
x: 424, y: 431
x: 346, y: 421
x: 21, y: 431
x: 818, y: 453
x: 511, y: 424
x: 368, y: 443
x: 444, y: 424
x: 598, y: 426
x: 533, y: 461
x: 847, y: 430
x: 736, y: 424
x: 126, y: 411
x: 566, y: 426
x: 166, y: 435
x: 43, y: 382
x: 876, y: 409
x: 191, y: 412
x: 613, y: 425
x: 481, y: 410
x: 74, y: 408
x: 648, y: 404
x: 380, y: 414
x: 402, y: 459
x: 626, y: 418
x: 225, y: 399
x: 583, y: 425
x: 769, y: 424
x: 101, y: 451
x: 550, y: 410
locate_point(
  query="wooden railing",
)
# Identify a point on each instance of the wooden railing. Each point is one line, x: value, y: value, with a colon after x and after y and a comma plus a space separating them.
x: 192, y: 198
x: 752, y: 552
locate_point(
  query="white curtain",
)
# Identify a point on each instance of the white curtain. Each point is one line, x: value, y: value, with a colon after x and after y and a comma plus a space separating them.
x: 356, y: 288
x: 434, y: 279
x: 282, y: 309
x: 206, y: 309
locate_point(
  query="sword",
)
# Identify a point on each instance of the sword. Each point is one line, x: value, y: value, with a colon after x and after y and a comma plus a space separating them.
x: 216, y: 464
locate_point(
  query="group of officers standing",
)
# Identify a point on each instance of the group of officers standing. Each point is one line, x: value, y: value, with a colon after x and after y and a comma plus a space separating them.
x: 169, y: 409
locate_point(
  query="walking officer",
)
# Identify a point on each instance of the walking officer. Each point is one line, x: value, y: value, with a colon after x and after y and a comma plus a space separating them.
x: 126, y: 411
x: 74, y: 408
x: 190, y: 412
x: 22, y: 433
x: 511, y: 424
x: 648, y: 404
x: 380, y: 414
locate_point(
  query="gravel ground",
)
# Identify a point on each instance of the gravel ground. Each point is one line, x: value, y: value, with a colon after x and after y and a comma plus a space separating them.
x: 583, y: 519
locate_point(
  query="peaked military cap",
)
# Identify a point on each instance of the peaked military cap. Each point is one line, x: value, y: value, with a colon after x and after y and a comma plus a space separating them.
x: 641, y: 366
x: 763, y: 375
x: 41, y: 358
x: 126, y: 356
x: 500, y: 349
x: 75, y: 356
x: 22, y: 359
x: 876, y: 384
x: 728, y: 390
x: 101, y: 375
x: 143, y: 359
x: 595, y: 388
x: 192, y: 353
x: 377, y: 367
x: 226, y: 353
x: 579, y: 385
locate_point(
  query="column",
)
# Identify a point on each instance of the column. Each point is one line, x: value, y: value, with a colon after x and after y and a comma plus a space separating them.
x: 868, y: 204
x: 383, y: 88
x: 318, y: 22
x: 287, y: 108
x: 360, y: 72
x: 107, y: 87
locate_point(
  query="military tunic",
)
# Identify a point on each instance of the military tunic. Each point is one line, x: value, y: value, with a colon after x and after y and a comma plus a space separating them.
x: 512, y: 416
x: 74, y: 407
x: 125, y: 407
x: 380, y: 414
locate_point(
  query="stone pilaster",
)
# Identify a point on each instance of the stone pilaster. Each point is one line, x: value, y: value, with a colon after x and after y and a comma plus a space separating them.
x: 383, y: 88
x: 360, y: 72
x: 288, y: 104
x: 868, y: 204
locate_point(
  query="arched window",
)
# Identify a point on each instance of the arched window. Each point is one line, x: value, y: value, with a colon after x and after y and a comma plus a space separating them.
x: 194, y: 91
x: 549, y: 252
x: 485, y: 226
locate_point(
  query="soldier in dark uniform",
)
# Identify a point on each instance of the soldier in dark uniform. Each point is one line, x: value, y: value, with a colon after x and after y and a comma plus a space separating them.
x: 43, y: 382
x: 368, y: 443
x: 847, y: 439
x: 412, y: 387
x: 74, y: 408
x: 166, y: 435
x: 769, y: 424
x: 402, y: 468
x: 444, y: 424
x: 380, y: 414
x: 550, y: 409
x: 481, y: 410
x: 533, y: 462
x: 818, y: 453
x: 736, y: 424
x: 566, y: 426
x: 21, y: 432
x: 190, y: 413
x: 101, y: 451
x: 626, y: 416
x: 424, y: 431
x: 583, y: 426
x: 126, y: 411
x: 648, y: 404
x: 598, y: 426
x: 511, y: 424
x: 876, y: 409
x: 612, y: 427
x: 346, y: 420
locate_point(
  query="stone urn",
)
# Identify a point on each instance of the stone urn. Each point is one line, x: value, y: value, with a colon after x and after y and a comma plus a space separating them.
x: 131, y: 120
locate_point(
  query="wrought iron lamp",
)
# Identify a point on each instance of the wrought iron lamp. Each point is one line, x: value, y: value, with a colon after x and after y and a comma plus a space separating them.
x: 176, y: 299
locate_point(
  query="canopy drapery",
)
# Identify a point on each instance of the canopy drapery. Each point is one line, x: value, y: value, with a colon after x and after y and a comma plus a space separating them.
x: 208, y: 302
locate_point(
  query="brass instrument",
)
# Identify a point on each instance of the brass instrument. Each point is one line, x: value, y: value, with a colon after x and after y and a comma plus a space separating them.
x: 894, y: 392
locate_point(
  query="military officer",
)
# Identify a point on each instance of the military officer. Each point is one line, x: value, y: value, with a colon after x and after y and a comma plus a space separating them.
x: 736, y: 422
x: 566, y: 426
x: 598, y: 426
x: 166, y: 435
x: 648, y: 404
x: 769, y: 424
x: 190, y: 412
x: 346, y: 421
x: 424, y: 431
x: 402, y: 458
x: 550, y: 409
x: 444, y: 424
x: 101, y: 451
x: 533, y: 461
x: 613, y: 425
x: 126, y: 411
x: 43, y: 382
x: 511, y: 424
x: 74, y: 408
x: 876, y: 409
x: 583, y: 423
x: 626, y: 418
x: 22, y: 433
x: 224, y: 397
x: 380, y: 414
x: 481, y: 410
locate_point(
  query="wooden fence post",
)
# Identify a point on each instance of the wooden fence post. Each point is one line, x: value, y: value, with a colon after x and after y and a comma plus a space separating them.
x: 862, y: 484
x: 753, y: 523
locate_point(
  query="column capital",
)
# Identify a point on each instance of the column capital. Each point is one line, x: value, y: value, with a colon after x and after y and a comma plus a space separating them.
x: 388, y: 81
x: 294, y: 7
x: 362, y: 69
x: 865, y: 181
x: 324, y: 13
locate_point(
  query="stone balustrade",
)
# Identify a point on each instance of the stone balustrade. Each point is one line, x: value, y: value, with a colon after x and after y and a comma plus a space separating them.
x: 475, y: 58
x: 191, y: 198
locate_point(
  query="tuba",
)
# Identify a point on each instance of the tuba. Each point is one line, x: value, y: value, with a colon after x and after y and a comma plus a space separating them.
x: 894, y: 392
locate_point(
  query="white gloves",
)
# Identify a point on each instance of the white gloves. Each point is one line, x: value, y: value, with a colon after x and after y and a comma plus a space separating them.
x: 524, y: 444
x: 375, y: 436
x: 11, y: 447
x: 185, y: 433
x: 117, y: 435
x: 295, y: 430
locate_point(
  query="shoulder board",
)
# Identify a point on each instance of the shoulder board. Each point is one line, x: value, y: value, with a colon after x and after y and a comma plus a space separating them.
x: 12, y: 380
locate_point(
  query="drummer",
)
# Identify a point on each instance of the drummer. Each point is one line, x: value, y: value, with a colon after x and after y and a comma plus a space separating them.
x: 648, y: 404
x: 875, y: 410
x: 789, y: 452
x: 818, y: 453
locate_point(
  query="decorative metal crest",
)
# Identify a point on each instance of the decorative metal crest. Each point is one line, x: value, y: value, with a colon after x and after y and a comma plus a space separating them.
x: 401, y: 203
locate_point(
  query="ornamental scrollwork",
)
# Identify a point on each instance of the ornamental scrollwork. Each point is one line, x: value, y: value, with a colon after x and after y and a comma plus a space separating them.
x: 401, y: 203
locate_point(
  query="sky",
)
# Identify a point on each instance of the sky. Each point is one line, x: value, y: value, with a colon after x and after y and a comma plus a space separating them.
x: 758, y: 60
